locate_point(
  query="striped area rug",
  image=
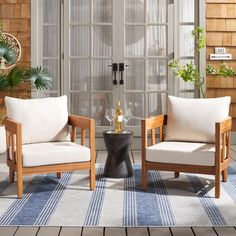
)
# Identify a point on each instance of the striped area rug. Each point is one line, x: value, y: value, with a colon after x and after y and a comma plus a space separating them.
x: 186, y: 201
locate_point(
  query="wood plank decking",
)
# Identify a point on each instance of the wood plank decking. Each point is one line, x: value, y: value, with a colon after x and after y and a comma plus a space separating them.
x: 74, y: 231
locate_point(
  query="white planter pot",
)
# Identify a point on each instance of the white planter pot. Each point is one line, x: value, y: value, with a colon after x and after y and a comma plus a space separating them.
x: 2, y: 139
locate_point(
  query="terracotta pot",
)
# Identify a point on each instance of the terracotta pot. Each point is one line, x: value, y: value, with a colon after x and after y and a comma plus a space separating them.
x: 2, y: 139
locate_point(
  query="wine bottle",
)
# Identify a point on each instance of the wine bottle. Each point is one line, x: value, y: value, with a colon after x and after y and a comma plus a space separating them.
x: 118, y: 119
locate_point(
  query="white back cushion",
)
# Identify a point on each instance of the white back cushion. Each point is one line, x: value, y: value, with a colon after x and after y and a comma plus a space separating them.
x: 194, y: 120
x: 43, y: 120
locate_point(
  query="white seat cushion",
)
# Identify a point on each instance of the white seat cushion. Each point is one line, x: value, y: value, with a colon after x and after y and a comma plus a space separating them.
x: 40, y: 154
x: 193, y: 120
x: 43, y: 120
x: 184, y: 153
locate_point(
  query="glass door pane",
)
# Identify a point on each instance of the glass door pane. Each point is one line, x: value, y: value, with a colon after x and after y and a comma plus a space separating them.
x: 101, y: 58
x: 89, y: 26
x: 146, y: 53
x: 102, y: 40
x: 50, y: 51
x: 134, y: 40
x: 80, y: 11
x: 78, y: 67
x: 157, y: 72
x: 102, y: 11
x: 186, y: 45
x: 157, y: 11
x: 134, y: 11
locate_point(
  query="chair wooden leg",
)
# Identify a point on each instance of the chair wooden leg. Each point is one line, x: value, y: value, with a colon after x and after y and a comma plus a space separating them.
x: 92, y: 177
x: 225, y: 175
x: 176, y: 174
x: 59, y: 175
x: 19, y: 184
x: 11, y: 175
x: 144, y: 178
x: 217, y: 185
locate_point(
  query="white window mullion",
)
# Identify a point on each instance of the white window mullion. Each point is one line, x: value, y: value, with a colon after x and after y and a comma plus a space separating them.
x: 66, y: 50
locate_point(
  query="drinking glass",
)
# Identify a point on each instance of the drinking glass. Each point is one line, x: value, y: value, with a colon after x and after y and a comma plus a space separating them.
x: 127, y: 115
x: 110, y: 116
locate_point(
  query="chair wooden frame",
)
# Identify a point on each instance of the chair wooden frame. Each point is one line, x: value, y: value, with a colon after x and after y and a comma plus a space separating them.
x: 14, y: 145
x: 222, y: 152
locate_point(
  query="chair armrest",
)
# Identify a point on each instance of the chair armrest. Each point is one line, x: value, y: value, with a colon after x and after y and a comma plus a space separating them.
x: 223, y: 126
x: 154, y: 122
x: 83, y: 123
x: 222, y: 141
x: 14, y: 140
x: 151, y: 124
x: 80, y: 122
x: 14, y: 128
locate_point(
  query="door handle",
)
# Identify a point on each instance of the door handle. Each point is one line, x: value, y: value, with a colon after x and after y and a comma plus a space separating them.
x: 114, y: 70
x: 121, y: 70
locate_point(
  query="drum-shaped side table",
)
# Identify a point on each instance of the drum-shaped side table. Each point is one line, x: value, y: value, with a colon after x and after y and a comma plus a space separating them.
x: 118, y: 164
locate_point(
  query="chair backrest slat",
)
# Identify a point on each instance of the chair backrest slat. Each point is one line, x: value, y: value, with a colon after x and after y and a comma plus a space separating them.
x: 8, y: 144
x: 82, y: 136
x: 13, y: 147
x: 73, y: 134
x: 228, y: 144
x: 153, y: 136
x: 161, y: 134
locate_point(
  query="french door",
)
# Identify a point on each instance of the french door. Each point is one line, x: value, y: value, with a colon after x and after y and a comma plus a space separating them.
x: 131, y: 35
x: 78, y: 41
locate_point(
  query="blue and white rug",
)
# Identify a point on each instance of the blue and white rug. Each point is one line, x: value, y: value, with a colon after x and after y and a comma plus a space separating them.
x: 186, y: 201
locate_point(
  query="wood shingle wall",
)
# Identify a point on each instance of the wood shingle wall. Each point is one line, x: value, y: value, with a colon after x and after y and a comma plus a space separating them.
x: 15, y: 16
x: 221, y: 32
x: 16, y: 20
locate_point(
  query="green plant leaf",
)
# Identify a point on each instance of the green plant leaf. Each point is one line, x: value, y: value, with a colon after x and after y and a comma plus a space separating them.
x: 16, y: 76
x: 3, y: 82
x: 174, y: 64
x: 210, y: 70
x: 200, y: 37
x: 189, y: 72
x: 21, y: 74
x: 7, y: 53
x: 39, y: 77
x: 225, y: 70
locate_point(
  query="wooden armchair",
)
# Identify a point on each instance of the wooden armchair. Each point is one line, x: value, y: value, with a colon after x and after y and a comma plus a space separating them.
x: 182, y: 156
x: 49, y: 156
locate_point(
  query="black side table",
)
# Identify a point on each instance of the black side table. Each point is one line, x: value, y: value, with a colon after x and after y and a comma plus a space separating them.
x: 118, y: 164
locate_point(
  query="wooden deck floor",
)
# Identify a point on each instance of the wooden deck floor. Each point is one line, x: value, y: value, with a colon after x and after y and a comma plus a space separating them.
x: 74, y: 231
x: 142, y: 231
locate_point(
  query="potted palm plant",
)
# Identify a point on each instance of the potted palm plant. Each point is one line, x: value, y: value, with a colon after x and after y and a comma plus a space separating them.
x: 16, y: 80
